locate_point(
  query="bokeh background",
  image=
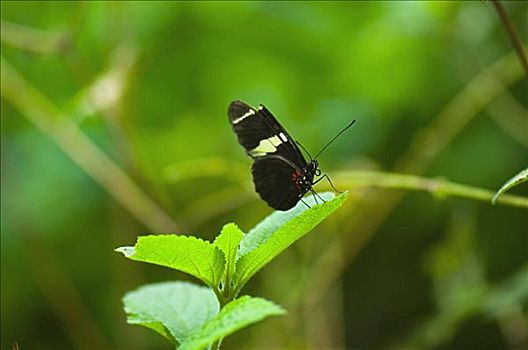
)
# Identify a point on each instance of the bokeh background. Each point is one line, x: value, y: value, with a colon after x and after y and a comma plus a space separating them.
x: 114, y: 124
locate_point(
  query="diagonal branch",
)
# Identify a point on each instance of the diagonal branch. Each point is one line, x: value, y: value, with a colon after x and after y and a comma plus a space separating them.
x: 430, y: 142
x: 517, y: 43
x: 511, y: 116
x: 44, y: 115
x: 34, y: 40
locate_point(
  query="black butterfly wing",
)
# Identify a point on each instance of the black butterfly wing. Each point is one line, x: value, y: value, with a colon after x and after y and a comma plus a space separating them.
x: 262, y: 135
x: 274, y: 179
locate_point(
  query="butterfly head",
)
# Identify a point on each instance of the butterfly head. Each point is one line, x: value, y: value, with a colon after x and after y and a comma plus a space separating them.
x: 313, y: 168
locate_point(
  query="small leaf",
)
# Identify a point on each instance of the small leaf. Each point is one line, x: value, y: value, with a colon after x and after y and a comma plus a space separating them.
x: 227, y: 241
x: 173, y: 309
x: 237, y: 314
x: 277, y: 232
x: 184, y: 253
x: 514, y: 181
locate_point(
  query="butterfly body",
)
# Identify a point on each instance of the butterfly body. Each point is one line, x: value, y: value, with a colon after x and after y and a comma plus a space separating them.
x: 281, y: 174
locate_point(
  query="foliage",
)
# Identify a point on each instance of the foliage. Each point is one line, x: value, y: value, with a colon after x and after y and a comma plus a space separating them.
x: 187, y: 314
x: 185, y: 253
x: 461, y: 290
x: 113, y: 122
x: 521, y: 177
x: 235, y: 315
x: 173, y: 309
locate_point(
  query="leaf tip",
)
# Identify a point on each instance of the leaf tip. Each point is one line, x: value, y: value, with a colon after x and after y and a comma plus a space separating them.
x: 231, y: 226
x: 494, y: 199
x: 279, y: 310
x: 126, y: 251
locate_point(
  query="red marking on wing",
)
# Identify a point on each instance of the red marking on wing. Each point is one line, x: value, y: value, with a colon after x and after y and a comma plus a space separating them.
x: 295, y: 179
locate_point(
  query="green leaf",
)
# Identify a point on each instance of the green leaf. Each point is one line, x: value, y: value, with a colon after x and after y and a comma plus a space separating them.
x: 173, y: 309
x: 278, y: 231
x: 514, y: 181
x: 237, y: 314
x: 227, y: 241
x: 184, y: 253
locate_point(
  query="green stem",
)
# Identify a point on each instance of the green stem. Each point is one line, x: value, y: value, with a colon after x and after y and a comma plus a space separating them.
x: 34, y: 40
x: 38, y: 109
x: 439, y: 187
x: 222, y: 301
x: 516, y: 42
x: 374, y: 209
x: 219, y: 296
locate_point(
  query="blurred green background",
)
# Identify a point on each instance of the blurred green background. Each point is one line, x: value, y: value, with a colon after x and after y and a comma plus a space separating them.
x: 436, y: 91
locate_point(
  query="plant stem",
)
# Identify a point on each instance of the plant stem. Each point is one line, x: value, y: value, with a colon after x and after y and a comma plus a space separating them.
x: 34, y: 40
x: 439, y: 187
x: 31, y: 103
x: 511, y: 116
x: 373, y: 210
x: 517, y: 43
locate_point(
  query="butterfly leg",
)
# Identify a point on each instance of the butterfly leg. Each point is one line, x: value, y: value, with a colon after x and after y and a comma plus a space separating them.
x: 305, y: 203
x: 318, y: 196
x: 331, y: 184
x: 315, y: 198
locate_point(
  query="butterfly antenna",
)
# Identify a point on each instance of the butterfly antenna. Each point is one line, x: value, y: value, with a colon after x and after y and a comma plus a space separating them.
x: 304, y: 149
x: 335, y: 137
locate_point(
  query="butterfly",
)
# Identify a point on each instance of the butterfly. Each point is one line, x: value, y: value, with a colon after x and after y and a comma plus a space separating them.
x: 281, y: 174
